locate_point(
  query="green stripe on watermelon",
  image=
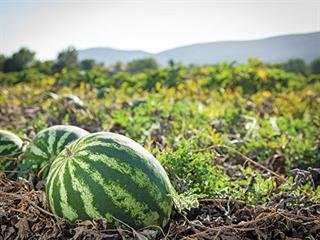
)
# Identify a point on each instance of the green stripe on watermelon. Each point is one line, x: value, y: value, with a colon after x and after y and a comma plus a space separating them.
x: 119, y: 169
x: 115, y: 149
x: 114, y: 177
x: 48, y: 143
x: 10, y: 147
x: 10, y: 144
x: 121, y: 181
x: 73, y: 196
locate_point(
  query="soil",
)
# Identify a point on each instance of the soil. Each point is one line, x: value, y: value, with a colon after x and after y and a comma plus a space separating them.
x: 24, y: 214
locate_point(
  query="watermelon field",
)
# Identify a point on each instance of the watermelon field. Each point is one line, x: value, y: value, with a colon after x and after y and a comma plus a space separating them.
x: 228, y: 151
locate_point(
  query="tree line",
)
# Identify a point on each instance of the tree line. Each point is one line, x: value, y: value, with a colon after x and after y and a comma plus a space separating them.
x: 68, y: 59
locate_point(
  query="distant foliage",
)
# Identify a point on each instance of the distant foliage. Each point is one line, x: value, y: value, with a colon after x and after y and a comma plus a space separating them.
x: 296, y: 66
x: 67, y: 59
x: 19, y: 61
x: 141, y: 65
x: 2, y: 61
x: 315, y: 66
x: 194, y: 119
x: 45, y: 67
x: 87, y: 64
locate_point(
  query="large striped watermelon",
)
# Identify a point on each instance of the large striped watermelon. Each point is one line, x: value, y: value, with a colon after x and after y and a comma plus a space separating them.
x: 10, y: 144
x: 48, y: 143
x: 107, y: 175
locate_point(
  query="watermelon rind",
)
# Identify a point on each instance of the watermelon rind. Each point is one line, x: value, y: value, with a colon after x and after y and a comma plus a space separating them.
x: 48, y: 143
x: 10, y: 144
x: 107, y: 175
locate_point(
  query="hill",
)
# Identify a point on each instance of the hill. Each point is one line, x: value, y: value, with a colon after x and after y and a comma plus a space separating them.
x: 110, y: 56
x: 273, y: 49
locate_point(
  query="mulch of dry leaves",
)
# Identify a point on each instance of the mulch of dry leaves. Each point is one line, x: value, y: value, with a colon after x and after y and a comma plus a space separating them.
x: 24, y: 214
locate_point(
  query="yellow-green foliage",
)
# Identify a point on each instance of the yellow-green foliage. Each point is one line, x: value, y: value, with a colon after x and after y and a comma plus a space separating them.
x: 264, y: 112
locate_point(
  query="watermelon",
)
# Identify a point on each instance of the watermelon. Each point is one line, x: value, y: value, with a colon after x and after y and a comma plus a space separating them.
x: 48, y: 143
x: 51, y: 95
x: 138, y: 102
x: 103, y: 92
x: 10, y: 144
x: 73, y: 101
x: 107, y: 175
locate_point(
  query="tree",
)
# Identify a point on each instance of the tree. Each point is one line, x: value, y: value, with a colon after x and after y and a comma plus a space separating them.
x: 2, y: 61
x: 171, y: 62
x: 315, y: 66
x: 296, y: 65
x: 45, y: 67
x: 141, y: 65
x: 87, y: 64
x: 118, y: 66
x: 20, y: 60
x: 67, y: 59
x: 253, y: 62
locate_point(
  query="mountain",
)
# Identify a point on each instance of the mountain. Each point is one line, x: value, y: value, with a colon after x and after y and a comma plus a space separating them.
x: 273, y: 49
x: 110, y: 56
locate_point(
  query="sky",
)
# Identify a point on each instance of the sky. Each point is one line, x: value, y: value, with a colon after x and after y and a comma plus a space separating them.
x: 49, y: 26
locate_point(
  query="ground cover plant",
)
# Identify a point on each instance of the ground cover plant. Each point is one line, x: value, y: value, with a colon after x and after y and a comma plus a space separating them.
x: 242, y: 139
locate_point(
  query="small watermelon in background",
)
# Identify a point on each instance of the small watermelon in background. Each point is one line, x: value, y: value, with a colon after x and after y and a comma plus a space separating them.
x: 10, y: 144
x: 103, y: 92
x: 50, y: 95
x: 10, y: 147
x: 107, y: 175
x: 73, y: 100
x: 48, y: 143
x: 139, y: 102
